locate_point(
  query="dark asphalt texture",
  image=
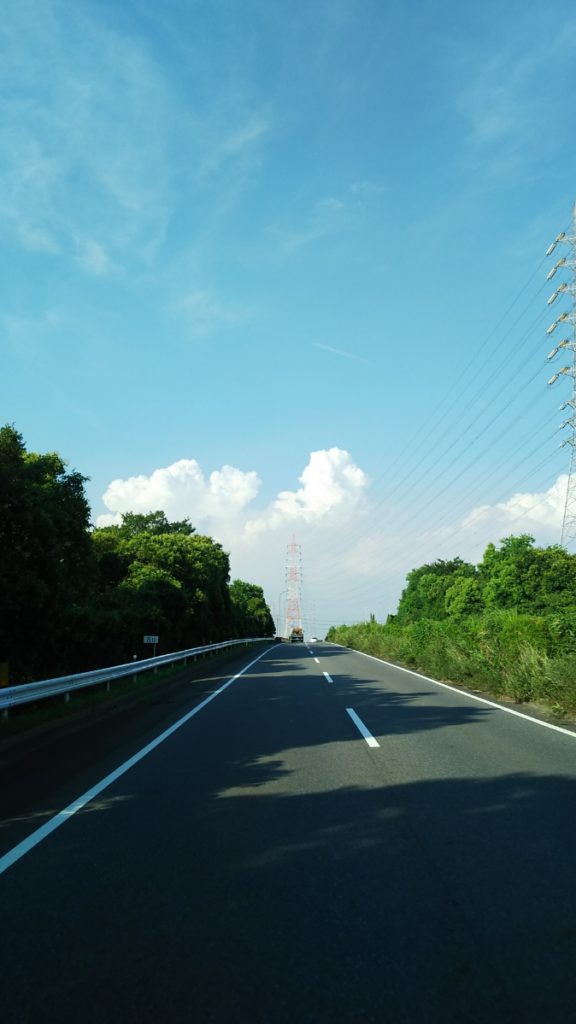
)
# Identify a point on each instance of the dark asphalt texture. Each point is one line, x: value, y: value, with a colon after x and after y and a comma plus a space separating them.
x: 265, y: 865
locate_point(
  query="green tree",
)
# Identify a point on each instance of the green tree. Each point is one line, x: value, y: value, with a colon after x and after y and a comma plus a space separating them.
x: 502, y: 570
x: 72, y: 598
x: 517, y: 575
x: 251, y: 614
x: 424, y: 596
x: 172, y: 582
x: 153, y: 601
x: 153, y: 523
x: 550, y: 583
x: 464, y: 597
x: 47, y: 567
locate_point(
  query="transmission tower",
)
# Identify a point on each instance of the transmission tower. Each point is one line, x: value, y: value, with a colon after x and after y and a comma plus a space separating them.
x: 567, y: 264
x: 294, y: 587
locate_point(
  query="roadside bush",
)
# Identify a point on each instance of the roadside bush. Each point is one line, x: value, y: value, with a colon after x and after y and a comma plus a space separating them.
x: 559, y: 686
x: 525, y: 673
x: 524, y: 657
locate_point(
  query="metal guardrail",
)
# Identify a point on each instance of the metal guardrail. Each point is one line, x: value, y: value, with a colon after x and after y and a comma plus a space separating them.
x: 12, y: 696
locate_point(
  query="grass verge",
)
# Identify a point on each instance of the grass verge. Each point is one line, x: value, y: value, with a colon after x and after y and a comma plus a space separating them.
x: 512, y: 657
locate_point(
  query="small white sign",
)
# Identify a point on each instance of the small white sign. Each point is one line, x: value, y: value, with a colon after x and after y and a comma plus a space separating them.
x: 150, y: 639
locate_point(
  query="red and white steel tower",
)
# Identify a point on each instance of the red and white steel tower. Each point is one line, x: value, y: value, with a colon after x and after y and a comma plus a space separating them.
x: 293, y: 587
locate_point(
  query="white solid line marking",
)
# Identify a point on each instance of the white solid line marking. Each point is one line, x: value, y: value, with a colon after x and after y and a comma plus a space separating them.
x: 362, y: 728
x: 41, y: 833
x: 464, y: 693
x: 317, y: 660
x: 329, y: 678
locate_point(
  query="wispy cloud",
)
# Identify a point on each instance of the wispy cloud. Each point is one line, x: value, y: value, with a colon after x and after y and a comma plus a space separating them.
x: 508, y: 98
x: 79, y: 160
x: 203, y: 312
x: 93, y: 256
x: 330, y: 215
x: 327, y: 217
x: 100, y: 150
x: 28, y: 335
x: 366, y: 190
x: 340, y: 352
x: 235, y: 141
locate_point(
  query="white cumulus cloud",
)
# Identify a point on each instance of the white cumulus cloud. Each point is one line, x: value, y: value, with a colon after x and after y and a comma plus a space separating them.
x: 331, y: 485
x: 526, y: 510
x: 181, y: 490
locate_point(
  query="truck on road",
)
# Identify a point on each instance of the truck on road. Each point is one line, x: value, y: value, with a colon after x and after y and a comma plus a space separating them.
x: 297, y: 635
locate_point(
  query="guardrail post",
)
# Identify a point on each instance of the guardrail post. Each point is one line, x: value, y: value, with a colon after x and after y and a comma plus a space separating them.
x: 67, y: 698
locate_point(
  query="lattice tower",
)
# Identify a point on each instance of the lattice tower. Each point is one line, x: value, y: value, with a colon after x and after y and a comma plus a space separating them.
x: 293, y: 587
x: 567, y: 265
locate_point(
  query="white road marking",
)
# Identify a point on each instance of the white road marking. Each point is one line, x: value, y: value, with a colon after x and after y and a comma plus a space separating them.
x: 362, y: 728
x: 464, y: 693
x: 317, y: 660
x: 328, y: 678
x: 50, y: 826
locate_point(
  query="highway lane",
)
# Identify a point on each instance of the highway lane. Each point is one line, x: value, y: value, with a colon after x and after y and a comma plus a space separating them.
x: 265, y: 863
x: 46, y: 771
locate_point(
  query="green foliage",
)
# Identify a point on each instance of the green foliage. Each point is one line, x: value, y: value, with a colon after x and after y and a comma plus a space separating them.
x: 151, y: 523
x: 521, y: 656
x: 173, y: 583
x: 507, y: 625
x: 426, y: 589
x: 509, y: 655
x: 47, y: 560
x: 514, y: 576
x: 463, y: 597
x: 250, y: 612
x: 560, y: 684
x: 529, y: 579
x: 73, y: 599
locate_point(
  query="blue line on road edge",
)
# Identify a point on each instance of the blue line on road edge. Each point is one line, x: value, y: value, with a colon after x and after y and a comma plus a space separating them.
x: 50, y: 826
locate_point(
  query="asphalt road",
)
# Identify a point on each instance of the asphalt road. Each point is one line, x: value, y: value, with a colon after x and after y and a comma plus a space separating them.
x: 264, y: 863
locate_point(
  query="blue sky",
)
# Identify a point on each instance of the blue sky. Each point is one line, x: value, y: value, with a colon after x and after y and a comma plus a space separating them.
x: 280, y: 267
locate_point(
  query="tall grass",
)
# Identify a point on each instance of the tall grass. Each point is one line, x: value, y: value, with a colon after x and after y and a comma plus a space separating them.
x: 522, y: 657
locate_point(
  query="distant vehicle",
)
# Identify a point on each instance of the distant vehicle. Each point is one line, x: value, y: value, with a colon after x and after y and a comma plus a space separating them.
x: 313, y: 639
x: 297, y: 635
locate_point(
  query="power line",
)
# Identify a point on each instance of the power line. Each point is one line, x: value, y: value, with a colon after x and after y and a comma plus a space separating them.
x: 505, y: 414
x: 431, y: 434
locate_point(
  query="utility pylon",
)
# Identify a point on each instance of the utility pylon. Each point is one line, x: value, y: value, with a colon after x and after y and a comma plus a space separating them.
x: 568, y: 288
x: 294, y: 587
